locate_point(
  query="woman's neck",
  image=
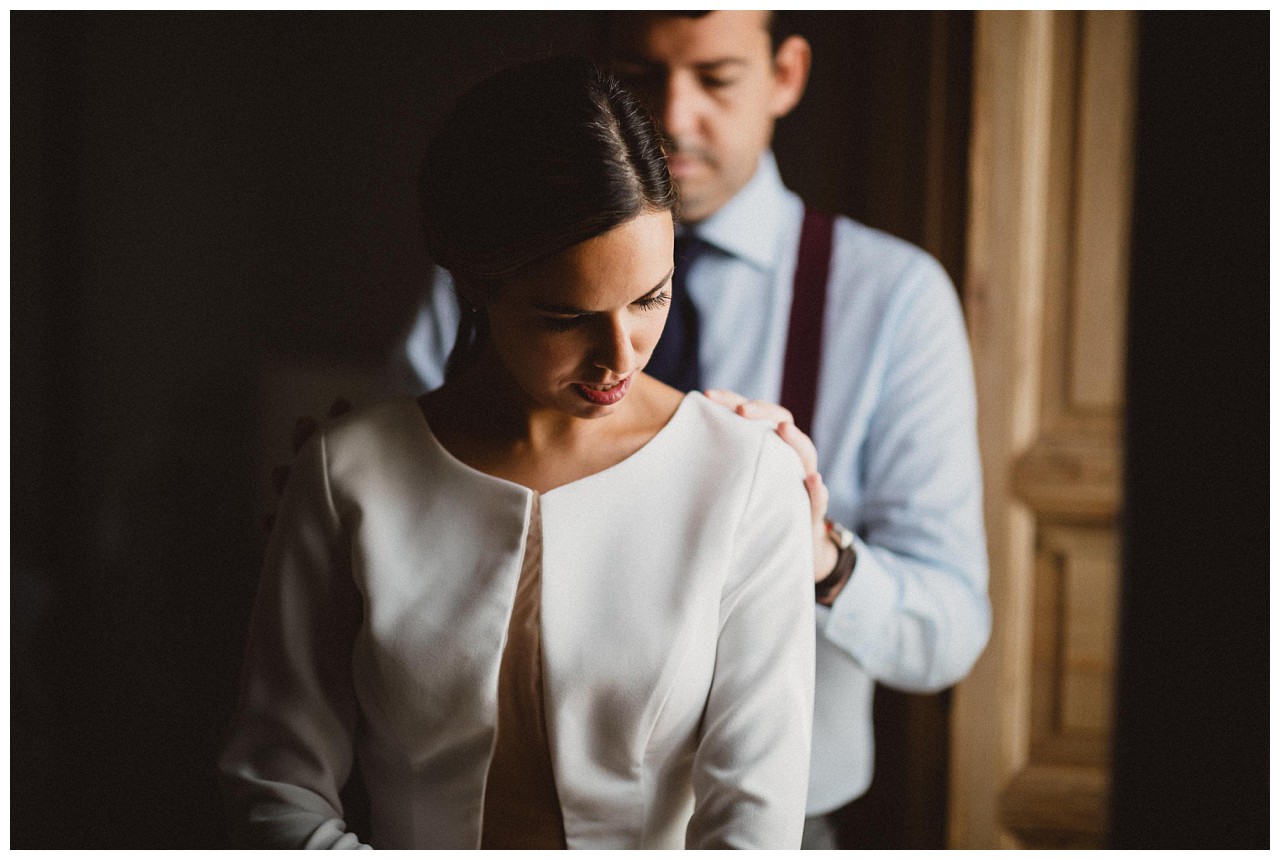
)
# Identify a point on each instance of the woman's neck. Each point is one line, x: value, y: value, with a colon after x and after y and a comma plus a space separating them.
x: 483, y: 419
x: 485, y: 403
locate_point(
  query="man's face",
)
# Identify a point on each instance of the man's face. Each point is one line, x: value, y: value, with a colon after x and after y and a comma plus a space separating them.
x: 715, y: 87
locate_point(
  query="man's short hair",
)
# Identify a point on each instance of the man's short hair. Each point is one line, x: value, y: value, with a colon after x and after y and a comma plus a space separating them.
x: 776, y: 24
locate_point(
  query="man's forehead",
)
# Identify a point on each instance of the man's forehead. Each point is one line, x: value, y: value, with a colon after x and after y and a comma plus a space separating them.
x: 672, y: 38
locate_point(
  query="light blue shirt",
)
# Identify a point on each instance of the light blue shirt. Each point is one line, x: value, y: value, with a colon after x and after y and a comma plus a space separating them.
x: 897, y: 447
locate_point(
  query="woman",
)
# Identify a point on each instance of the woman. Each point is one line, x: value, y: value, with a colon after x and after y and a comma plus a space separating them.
x: 554, y: 603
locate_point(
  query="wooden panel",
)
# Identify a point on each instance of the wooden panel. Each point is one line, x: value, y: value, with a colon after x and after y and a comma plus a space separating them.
x: 1047, y: 286
x: 1003, y: 294
x: 1071, y: 476
x: 1055, y: 807
x: 1104, y: 194
x: 1089, y: 632
x: 1076, y: 603
x: 1089, y: 125
x: 1060, y: 258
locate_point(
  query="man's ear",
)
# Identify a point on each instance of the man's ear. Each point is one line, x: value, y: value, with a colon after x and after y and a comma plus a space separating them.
x: 790, y: 74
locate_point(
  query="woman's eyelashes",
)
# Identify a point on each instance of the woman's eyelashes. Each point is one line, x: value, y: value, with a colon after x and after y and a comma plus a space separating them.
x: 565, y: 323
x: 657, y: 300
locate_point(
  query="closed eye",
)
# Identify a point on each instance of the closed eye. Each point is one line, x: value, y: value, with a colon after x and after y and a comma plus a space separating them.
x: 563, y: 323
x: 563, y: 318
x: 657, y: 300
x: 715, y: 83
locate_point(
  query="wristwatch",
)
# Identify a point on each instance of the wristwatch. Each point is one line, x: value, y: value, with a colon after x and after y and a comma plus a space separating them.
x: 825, y: 589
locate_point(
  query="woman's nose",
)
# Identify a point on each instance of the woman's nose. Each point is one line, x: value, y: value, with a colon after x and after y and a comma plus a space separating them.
x: 616, y: 352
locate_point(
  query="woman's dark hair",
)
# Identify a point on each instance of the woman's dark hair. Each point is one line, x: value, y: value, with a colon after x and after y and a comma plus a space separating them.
x: 529, y: 163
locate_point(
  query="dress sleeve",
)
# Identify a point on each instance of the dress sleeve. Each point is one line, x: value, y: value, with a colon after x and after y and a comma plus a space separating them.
x: 751, y: 768
x: 915, y: 614
x: 290, y: 747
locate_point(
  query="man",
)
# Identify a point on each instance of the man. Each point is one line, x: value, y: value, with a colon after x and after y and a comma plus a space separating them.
x: 901, y: 574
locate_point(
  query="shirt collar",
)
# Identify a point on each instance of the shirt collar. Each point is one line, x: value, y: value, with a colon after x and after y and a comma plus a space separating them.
x: 750, y: 224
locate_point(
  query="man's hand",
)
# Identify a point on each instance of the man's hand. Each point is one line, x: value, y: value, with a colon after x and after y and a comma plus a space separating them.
x: 824, y: 551
x: 303, y: 429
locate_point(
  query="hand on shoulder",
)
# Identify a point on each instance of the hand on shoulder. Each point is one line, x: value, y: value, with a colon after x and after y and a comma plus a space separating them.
x: 303, y: 429
x: 824, y: 552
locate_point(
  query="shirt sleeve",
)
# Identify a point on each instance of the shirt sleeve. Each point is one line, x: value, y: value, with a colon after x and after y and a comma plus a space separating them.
x: 418, y: 364
x: 915, y: 614
x: 290, y: 748
x: 751, y: 768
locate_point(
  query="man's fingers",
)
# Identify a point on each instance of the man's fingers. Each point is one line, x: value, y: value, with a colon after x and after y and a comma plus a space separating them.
x: 279, y: 477
x: 782, y: 420
x: 754, y: 409
x: 818, y: 496
x: 303, y: 430
x: 759, y: 409
x: 725, y: 398
x: 306, y: 426
x: 784, y: 423
x: 802, y: 444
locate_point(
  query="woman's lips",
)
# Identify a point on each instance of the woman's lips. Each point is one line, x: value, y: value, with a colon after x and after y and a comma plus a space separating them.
x: 606, y: 397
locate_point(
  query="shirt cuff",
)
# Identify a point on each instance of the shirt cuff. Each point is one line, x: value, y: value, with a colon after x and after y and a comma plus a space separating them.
x: 854, y: 619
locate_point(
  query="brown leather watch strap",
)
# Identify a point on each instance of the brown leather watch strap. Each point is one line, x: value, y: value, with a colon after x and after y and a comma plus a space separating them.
x: 826, y: 589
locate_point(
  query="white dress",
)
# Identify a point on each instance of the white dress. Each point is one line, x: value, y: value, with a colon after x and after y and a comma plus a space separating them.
x: 677, y: 646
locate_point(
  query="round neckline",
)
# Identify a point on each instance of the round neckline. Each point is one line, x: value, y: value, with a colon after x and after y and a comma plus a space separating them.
x: 459, y: 465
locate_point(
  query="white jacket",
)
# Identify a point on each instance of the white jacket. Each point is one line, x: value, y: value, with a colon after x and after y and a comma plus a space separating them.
x: 677, y: 619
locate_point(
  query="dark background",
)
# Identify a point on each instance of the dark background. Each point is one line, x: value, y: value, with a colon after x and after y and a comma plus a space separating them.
x: 200, y: 198
x: 1191, y: 754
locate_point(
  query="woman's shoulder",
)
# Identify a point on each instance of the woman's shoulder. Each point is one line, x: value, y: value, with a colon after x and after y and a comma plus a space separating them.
x: 706, y: 416
x: 381, y: 435
x: 727, y: 439
x: 395, y: 416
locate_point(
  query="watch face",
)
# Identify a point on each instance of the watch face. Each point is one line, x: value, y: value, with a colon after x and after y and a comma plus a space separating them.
x: 840, y: 536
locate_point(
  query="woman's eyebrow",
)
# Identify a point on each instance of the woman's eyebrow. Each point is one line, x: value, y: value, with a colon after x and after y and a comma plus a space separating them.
x: 567, y: 310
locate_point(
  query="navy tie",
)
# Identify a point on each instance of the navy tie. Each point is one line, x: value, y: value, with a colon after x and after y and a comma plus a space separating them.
x: 675, y: 358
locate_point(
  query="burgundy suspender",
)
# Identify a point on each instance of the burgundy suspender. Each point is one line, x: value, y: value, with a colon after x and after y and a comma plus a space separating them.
x: 804, y: 332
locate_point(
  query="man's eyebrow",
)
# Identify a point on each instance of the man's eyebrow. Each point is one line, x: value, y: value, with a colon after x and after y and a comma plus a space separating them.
x: 705, y: 66
x: 567, y: 310
x: 717, y: 65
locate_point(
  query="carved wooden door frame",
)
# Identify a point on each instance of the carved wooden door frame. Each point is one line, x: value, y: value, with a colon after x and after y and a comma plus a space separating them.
x: 1045, y: 296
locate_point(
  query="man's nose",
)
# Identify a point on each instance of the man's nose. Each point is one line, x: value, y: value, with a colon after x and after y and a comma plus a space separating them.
x: 679, y: 112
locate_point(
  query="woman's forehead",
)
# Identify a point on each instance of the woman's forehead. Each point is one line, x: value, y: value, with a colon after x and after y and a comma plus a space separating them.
x: 604, y: 272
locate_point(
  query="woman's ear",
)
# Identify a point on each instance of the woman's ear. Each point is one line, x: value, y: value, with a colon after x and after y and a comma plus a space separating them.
x: 790, y: 74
